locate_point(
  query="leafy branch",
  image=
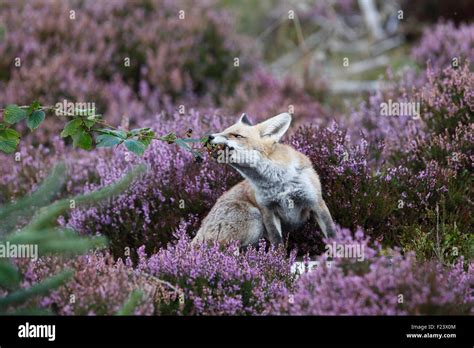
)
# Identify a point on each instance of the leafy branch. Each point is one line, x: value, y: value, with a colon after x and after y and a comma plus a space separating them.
x: 86, y: 124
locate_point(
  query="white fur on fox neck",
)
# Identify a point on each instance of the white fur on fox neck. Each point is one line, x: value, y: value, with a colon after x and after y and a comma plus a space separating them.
x: 273, y: 181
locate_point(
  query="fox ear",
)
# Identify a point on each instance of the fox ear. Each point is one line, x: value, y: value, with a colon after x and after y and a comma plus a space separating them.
x: 276, y: 126
x: 245, y: 120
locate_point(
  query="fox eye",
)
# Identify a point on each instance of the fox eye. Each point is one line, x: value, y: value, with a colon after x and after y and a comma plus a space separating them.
x: 238, y: 136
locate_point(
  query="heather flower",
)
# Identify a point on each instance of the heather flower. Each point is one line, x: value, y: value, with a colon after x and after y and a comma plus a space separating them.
x: 217, y: 279
x: 99, y: 286
x: 445, y: 44
x: 385, y: 283
x: 448, y: 98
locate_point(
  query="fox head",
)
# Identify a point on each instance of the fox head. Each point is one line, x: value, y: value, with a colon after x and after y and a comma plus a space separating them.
x: 245, y: 143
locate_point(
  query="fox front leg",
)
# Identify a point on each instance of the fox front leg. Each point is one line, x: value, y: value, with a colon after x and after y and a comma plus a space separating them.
x: 272, y: 225
x: 324, y: 219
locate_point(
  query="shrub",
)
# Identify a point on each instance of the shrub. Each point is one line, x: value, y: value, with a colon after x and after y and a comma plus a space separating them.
x: 31, y: 221
x: 174, y: 189
x: 397, y: 177
x: 181, y: 279
x: 384, y: 283
x: 219, y: 280
x: 448, y: 98
x: 172, y: 62
x: 438, y: 178
x: 379, y: 180
x: 404, y: 182
x: 386, y: 134
x: 212, y: 279
x: 85, y: 58
x: 261, y: 96
x: 22, y: 176
x: 356, y: 195
x: 443, y: 42
x: 99, y: 285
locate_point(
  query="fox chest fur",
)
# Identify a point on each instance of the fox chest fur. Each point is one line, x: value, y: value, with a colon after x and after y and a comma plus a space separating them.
x: 288, y: 192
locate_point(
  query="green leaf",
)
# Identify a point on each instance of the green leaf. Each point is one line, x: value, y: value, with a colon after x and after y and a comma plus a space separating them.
x: 42, y: 231
x: 9, y: 276
x: 146, y: 141
x: 71, y: 127
x: 13, y: 114
x: 9, y: 139
x: 107, y: 140
x: 82, y: 139
x: 42, y: 288
x: 170, y: 138
x: 8, y: 146
x: 132, y: 302
x: 118, y: 133
x: 35, y: 105
x: 138, y: 131
x: 35, y: 119
x: 9, y: 134
x: 135, y: 146
x: 89, y: 123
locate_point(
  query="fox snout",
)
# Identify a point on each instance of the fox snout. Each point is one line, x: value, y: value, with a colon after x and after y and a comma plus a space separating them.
x: 211, y: 139
x: 217, y: 146
x: 217, y: 139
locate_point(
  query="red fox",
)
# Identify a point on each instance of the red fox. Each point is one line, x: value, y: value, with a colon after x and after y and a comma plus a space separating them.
x: 280, y: 192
